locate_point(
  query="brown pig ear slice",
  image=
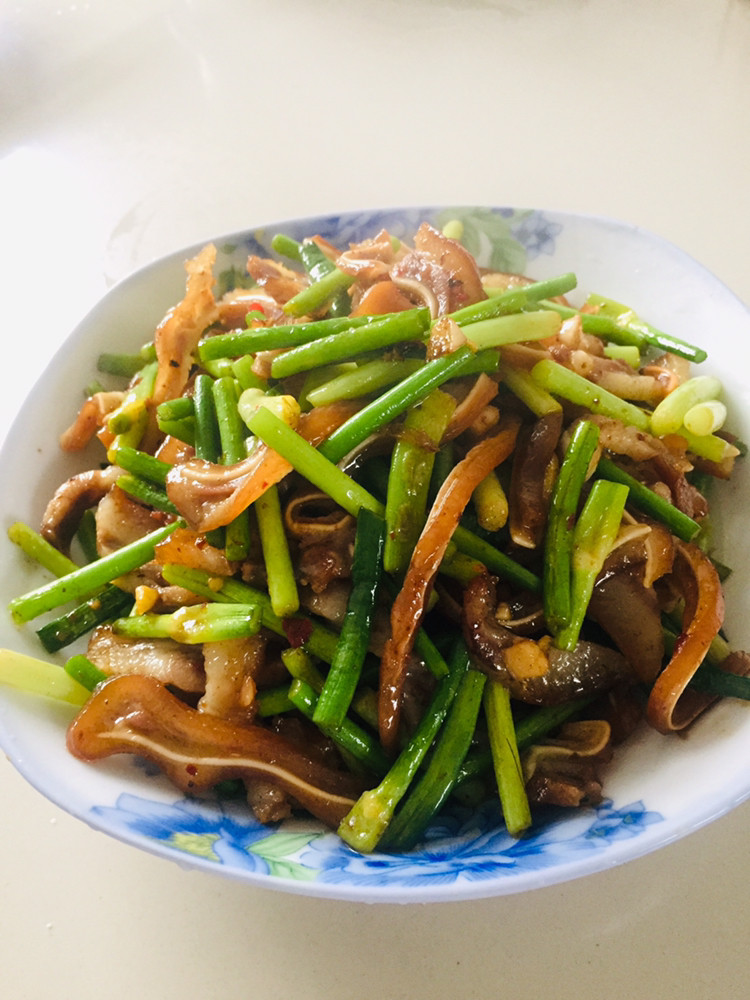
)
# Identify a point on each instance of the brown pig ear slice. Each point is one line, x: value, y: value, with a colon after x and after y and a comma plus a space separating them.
x: 210, y: 495
x: 409, y: 606
x: 671, y: 706
x: 564, y: 771
x: 629, y: 613
x: 139, y: 715
x: 529, y: 497
x: 588, y: 668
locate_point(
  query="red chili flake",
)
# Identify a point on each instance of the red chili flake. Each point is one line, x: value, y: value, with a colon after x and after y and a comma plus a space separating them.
x: 680, y: 641
x: 297, y: 631
x: 191, y: 769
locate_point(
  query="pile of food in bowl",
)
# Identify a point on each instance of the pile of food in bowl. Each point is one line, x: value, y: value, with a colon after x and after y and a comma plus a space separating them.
x: 374, y: 528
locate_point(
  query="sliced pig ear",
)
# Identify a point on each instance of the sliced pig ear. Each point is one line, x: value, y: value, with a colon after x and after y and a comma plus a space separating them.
x: 562, y: 771
x: 139, y: 715
x: 588, y: 668
x: 178, y: 333
x: 630, y: 615
x: 409, y: 606
x: 90, y: 419
x: 529, y: 487
x: 465, y: 277
x: 311, y: 516
x: 471, y: 408
x: 670, y: 705
x: 209, y: 495
x: 71, y: 500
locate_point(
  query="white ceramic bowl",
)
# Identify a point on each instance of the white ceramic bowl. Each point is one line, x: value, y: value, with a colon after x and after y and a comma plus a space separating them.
x: 658, y: 789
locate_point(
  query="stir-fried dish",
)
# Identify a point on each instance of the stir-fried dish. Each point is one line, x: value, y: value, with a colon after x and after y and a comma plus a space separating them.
x: 373, y: 529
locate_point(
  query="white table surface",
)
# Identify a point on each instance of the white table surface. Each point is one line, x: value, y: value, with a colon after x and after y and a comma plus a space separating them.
x: 128, y: 130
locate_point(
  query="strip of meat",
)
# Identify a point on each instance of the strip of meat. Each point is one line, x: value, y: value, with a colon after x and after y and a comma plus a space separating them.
x: 178, y: 333
x: 670, y: 706
x: 196, y: 751
x: 409, y: 606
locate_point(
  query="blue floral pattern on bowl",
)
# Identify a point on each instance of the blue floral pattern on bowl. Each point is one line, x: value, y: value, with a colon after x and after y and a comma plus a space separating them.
x: 503, y: 239
x: 462, y: 846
